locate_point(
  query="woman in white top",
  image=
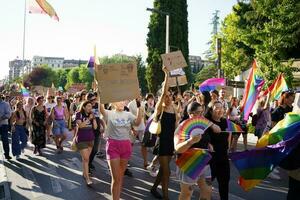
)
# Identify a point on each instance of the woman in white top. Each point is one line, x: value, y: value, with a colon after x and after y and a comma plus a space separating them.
x: 118, y: 146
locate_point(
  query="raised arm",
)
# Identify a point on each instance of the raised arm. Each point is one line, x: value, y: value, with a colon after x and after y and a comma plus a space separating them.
x: 165, y: 88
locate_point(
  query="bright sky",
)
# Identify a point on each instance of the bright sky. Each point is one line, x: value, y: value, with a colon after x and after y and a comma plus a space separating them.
x: 115, y: 26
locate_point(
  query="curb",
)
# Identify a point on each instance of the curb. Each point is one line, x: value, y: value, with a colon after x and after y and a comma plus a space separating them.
x: 4, y: 186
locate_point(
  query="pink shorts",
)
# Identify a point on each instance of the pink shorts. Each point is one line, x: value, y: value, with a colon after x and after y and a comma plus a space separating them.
x: 118, y: 149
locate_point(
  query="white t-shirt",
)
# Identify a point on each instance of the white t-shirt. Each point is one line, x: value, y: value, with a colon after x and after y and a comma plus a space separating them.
x: 118, y: 124
x: 49, y: 106
x: 133, y: 109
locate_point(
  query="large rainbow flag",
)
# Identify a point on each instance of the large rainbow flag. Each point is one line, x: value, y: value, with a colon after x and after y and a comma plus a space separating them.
x: 256, y: 164
x: 42, y: 7
x: 277, y: 87
x: 193, y: 161
x: 252, y: 90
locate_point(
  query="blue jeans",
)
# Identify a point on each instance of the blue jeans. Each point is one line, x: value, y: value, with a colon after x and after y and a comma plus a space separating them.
x: 18, y: 136
x: 4, y: 138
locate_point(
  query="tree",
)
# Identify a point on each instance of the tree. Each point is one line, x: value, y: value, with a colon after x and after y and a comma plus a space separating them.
x: 62, y: 75
x: 156, y: 39
x: 43, y: 76
x: 206, y: 73
x: 85, y: 76
x: 141, y: 72
x: 73, y: 76
x: 268, y: 30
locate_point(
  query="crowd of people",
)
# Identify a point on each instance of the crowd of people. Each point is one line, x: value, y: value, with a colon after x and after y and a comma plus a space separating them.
x: 42, y: 120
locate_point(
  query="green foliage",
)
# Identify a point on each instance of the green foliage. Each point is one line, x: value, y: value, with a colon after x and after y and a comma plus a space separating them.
x: 44, y: 76
x: 206, y: 73
x: 73, y: 76
x: 141, y: 72
x: 268, y: 30
x: 156, y: 39
x: 85, y: 76
x: 62, y: 75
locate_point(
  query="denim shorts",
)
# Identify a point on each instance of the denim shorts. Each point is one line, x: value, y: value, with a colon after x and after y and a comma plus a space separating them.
x: 59, y: 127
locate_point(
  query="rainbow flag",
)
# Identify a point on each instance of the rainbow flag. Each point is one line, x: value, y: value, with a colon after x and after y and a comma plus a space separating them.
x: 42, y: 7
x: 277, y: 87
x: 252, y: 90
x: 283, y: 130
x: 193, y: 161
x: 211, y: 84
x: 192, y: 126
x: 23, y: 90
x: 256, y: 164
x: 232, y: 127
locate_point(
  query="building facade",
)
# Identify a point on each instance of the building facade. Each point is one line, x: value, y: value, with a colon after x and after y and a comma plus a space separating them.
x: 16, y: 68
x: 53, y: 62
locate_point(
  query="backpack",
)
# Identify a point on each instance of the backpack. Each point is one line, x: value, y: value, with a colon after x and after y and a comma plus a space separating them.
x: 254, y: 120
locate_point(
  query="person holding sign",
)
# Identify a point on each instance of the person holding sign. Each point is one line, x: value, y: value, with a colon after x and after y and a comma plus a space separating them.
x: 118, y: 146
x: 166, y: 111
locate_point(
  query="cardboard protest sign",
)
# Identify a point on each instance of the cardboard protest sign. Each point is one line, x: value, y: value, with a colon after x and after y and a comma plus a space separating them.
x: 181, y: 80
x: 173, y: 60
x: 76, y: 87
x: 117, y: 82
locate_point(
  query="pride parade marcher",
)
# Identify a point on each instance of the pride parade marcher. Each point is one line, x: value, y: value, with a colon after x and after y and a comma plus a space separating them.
x: 38, y: 119
x: 5, y: 114
x: 194, y: 109
x: 220, y: 168
x: 118, y: 146
x: 165, y: 111
x: 84, y: 137
x: 18, y: 123
x: 59, y: 115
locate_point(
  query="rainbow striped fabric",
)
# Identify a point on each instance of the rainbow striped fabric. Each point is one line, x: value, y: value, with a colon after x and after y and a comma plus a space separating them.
x: 42, y: 7
x: 252, y: 90
x: 192, y: 126
x: 23, y: 90
x: 211, y: 84
x: 277, y: 87
x: 232, y: 127
x: 193, y: 161
x: 256, y: 164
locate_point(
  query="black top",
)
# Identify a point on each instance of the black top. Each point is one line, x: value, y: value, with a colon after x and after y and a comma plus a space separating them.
x: 203, y: 143
x: 279, y: 112
x: 166, y: 141
x: 219, y: 141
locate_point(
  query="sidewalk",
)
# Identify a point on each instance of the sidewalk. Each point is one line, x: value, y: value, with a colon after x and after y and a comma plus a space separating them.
x: 4, y: 185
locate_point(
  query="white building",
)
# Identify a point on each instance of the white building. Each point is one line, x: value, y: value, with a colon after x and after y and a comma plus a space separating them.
x: 16, y: 68
x: 53, y: 62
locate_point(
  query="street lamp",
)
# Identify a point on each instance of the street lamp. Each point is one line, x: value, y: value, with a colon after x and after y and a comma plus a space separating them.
x: 167, y: 25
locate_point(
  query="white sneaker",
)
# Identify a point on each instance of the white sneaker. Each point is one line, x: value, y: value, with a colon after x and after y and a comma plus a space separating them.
x: 153, y: 173
x: 274, y: 176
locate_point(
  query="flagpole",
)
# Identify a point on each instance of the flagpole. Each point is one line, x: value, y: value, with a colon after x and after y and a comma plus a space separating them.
x: 24, y: 33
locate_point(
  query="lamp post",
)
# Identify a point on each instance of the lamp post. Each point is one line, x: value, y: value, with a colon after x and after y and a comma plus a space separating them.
x: 167, y: 25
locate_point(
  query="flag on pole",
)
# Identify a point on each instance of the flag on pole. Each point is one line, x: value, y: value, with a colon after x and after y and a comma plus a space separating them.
x: 42, y: 7
x: 252, y: 90
x: 277, y: 87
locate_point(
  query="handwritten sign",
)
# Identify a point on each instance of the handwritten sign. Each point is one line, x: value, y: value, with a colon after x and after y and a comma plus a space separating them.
x: 181, y: 80
x: 173, y: 60
x: 117, y: 82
